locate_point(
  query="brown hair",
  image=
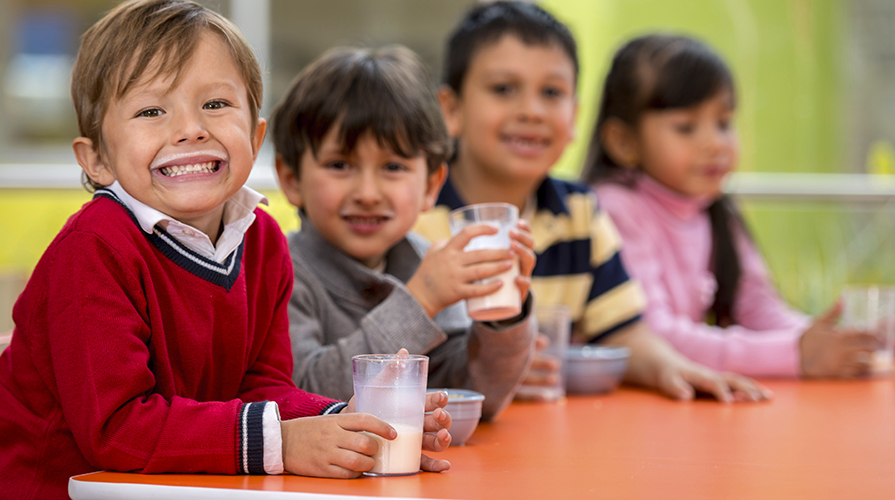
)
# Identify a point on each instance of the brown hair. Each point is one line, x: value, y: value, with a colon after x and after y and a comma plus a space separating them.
x: 117, y: 51
x: 386, y: 92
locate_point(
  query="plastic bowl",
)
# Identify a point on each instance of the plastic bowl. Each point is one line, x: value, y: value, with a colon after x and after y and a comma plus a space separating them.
x: 465, y: 407
x: 592, y: 369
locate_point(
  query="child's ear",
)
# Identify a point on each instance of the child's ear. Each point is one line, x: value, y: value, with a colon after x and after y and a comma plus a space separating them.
x: 258, y: 139
x: 433, y: 186
x: 289, y: 182
x: 91, y: 161
x: 620, y: 142
x: 451, y: 110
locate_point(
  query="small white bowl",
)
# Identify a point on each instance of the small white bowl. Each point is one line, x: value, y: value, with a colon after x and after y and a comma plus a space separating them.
x: 591, y: 369
x: 465, y: 407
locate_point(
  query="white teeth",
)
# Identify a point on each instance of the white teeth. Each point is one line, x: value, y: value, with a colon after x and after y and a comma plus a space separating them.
x: 197, y: 168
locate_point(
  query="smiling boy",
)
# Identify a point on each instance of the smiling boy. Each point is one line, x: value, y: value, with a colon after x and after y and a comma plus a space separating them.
x: 361, y: 147
x: 509, y: 100
x: 153, y: 334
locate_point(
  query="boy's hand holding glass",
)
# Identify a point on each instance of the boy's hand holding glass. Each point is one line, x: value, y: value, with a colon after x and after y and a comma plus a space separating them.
x: 448, y: 274
x: 336, y: 446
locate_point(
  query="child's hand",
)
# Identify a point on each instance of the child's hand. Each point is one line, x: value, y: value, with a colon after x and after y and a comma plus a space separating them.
x: 828, y: 351
x: 544, y: 368
x: 436, y: 436
x: 332, y: 445
x: 681, y: 379
x: 522, y: 245
x: 435, y: 431
x: 447, y: 274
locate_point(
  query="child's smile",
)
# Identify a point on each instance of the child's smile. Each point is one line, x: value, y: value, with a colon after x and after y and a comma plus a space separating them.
x: 189, y: 164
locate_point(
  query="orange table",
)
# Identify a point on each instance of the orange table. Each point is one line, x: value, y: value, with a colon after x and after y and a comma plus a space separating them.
x: 816, y: 440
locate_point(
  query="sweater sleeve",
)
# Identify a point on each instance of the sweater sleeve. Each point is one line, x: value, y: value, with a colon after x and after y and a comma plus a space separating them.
x: 483, y: 357
x: 322, y: 365
x: 102, y: 372
x: 770, y: 352
x: 269, y: 376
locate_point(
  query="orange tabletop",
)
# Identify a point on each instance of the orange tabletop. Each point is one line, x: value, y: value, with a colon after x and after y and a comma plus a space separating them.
x: 815, y: 440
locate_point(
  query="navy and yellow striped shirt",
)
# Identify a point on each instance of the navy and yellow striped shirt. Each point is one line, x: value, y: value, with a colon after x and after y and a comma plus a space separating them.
x: 577, y: 248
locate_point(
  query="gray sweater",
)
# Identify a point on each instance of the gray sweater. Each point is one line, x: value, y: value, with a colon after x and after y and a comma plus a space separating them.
x: 340, y: 308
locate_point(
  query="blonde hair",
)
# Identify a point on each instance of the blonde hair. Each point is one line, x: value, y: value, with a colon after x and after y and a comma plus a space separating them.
x: 117, y: 51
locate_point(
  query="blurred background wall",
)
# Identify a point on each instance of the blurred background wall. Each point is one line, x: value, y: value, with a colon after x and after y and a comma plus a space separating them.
x: 816, y: 96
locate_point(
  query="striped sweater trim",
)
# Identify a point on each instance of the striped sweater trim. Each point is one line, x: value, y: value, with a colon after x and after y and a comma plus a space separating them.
x: 333, y: 408
x: 223, y: 275
x: 250, y: 438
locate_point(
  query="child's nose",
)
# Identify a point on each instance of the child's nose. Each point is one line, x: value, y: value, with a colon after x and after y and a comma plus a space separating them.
x: 189, y: 128
x: 531, y: 107
x: 367, y: 190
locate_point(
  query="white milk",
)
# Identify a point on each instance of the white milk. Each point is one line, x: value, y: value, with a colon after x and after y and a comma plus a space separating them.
x: 400, y: 455
x: 502, y: 304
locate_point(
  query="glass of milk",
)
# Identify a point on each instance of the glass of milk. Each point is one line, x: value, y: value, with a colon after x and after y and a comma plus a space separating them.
x: 393, y: 388
x: 872, y: 308
x: 505, y: 302
x: 555, y: 323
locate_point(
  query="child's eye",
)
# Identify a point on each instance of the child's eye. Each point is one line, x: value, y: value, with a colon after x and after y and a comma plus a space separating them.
x: 724, y: 124
x: 337, y: 165
x: 149, y: 113
x: 502, y: 89
x: 685, y: 128
x: 215, y: 105
x: 395, y: 167
x: 553, y: 92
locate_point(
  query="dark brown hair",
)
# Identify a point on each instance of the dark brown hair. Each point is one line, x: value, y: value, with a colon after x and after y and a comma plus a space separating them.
x: 488, y: 22
x: 657, y: 72
x: 159, y: 36
x: 386, y: 92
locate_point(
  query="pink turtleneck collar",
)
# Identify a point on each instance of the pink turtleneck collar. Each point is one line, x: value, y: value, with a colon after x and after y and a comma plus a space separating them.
x: 681, y: 206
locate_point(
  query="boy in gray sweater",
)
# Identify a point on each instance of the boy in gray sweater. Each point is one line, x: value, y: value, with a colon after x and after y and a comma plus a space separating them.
x: 361, y: 150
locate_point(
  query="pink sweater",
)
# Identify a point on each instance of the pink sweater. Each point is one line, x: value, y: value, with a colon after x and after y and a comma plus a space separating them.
x: 667, y: 247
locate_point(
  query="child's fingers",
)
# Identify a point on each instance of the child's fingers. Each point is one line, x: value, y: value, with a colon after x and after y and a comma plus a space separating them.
x: 432, y: 465
x: 746, y: 389
x: 437, y: 441
x: 523, y: 237
x: 351, y: 462
x: 485, y: 255
x: 480, y: 289
x: 526, y: 258
x: 485, y: 270
x: 461, y: 239
x: 437, y: 420
x: 357, y: 422
x: 438, y: 399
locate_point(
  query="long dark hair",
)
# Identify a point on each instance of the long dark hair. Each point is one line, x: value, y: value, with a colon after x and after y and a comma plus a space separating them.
x: 657, y: 72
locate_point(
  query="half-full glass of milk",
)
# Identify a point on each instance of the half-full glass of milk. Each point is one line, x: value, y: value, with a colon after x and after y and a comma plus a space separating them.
x: 505, y: 302
x: 393, y: 388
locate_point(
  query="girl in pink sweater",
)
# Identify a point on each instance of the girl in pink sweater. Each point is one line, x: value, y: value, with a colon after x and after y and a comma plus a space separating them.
x: 663, y: 143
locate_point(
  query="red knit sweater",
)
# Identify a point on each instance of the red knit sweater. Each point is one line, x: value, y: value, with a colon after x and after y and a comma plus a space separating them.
x: 133, y: 353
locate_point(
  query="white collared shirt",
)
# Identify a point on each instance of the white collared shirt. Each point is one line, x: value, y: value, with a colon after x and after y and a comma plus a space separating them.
x: 239, y: 214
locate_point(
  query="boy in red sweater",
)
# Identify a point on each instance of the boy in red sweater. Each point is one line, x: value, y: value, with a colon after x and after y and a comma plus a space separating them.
x: 153, y: 334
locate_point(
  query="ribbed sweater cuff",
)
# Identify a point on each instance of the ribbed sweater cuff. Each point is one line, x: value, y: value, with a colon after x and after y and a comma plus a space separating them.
x: 250, y: 438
